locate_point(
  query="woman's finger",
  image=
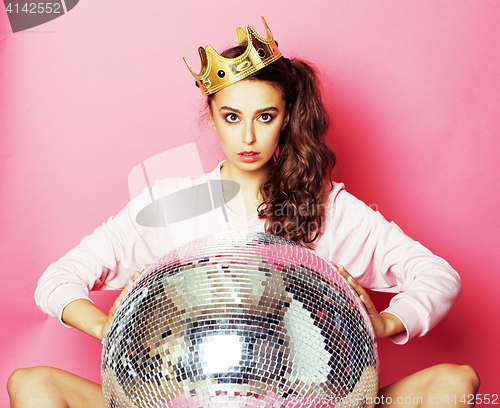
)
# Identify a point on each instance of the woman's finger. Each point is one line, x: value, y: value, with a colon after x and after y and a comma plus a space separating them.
x: 353, y: 282
x: 117, y: 302
x: 369, y: 306
x: 122, y: 294
x: 362, y: 293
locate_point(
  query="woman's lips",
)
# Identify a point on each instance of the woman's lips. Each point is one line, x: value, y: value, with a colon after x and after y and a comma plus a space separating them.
x: 248, y: 157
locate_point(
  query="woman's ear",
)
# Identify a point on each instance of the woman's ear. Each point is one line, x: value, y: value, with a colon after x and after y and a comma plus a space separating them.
x: 285, y: 121
x: 211, y: 116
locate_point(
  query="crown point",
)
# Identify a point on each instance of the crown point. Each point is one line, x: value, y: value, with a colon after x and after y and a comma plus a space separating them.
x: 241, y: 36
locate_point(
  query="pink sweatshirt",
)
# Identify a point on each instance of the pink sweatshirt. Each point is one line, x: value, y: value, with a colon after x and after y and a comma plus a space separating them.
x: 376, y: 252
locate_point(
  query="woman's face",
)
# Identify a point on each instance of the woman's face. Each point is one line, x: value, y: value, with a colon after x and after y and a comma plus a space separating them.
x: 249, y: 116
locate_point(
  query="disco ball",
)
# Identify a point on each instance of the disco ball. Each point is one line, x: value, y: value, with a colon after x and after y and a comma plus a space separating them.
x: 240, y: 319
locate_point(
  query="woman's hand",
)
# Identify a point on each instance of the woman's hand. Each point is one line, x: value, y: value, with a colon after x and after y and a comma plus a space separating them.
x: 87, y: 317
x: 107, y: 324
x: 384, y: 324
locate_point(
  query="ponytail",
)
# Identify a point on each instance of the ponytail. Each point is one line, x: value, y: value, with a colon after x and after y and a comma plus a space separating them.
x: 295, y: 189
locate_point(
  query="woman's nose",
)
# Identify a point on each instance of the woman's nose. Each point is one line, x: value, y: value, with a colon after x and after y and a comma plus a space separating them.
x: 249, y: 136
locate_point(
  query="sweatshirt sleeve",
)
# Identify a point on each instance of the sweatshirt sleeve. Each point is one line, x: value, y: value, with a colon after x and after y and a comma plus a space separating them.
x: 104, y: 260
x: 381, y: 257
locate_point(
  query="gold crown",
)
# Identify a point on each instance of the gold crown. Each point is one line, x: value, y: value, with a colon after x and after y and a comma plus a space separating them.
x: 218, y: 72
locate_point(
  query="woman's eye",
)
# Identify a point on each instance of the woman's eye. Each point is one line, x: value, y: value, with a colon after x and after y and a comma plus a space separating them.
x: 232, y: 117
x: 266, y: 118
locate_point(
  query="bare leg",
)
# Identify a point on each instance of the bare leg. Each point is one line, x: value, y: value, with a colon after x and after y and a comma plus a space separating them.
x: 444, y: 385
x: 47, y: 387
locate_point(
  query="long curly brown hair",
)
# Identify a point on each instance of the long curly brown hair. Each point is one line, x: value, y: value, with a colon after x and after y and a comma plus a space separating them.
x: 297, y: 184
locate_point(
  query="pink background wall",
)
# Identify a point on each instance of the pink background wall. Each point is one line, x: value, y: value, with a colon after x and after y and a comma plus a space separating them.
x: 413, y: 88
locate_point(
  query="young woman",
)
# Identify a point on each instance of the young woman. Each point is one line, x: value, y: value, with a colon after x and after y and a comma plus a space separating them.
x: 272, y: 126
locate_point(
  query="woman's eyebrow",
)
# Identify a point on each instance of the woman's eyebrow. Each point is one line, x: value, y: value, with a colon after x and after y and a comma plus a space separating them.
x: 227, y: 108
x: 257, y: 112
x: 269, y: 109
